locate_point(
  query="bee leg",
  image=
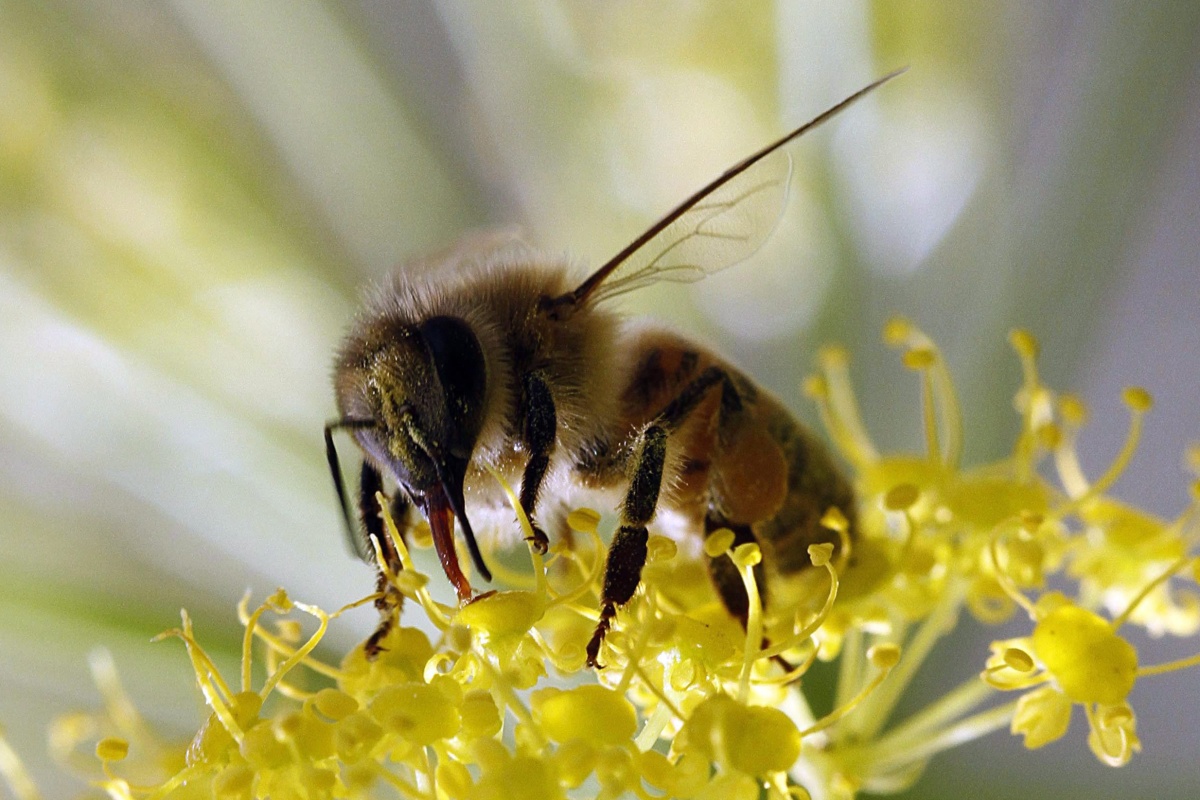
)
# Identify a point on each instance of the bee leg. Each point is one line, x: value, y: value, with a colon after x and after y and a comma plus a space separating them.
x: 541, y: 428
x: 389, y: 601
x: 627, y: 554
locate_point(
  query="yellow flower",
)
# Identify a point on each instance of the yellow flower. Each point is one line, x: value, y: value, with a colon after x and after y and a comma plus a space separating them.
x: 692, y: 704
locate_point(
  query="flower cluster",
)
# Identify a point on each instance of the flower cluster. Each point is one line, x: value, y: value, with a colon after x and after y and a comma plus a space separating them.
x: 693, y: 704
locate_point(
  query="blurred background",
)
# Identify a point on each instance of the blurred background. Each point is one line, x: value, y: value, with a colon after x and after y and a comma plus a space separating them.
x: 193, y: 193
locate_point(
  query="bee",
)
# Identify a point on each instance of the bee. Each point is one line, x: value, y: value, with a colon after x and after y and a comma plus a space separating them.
x: 489, y: 355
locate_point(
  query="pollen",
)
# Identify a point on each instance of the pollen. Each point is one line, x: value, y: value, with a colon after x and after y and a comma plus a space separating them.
x: 718, y: 543
x: 820, y: 554
x: 1138, y: 399
x: 901, y: 497
x: 112, y: 749
x: 1023, y: 342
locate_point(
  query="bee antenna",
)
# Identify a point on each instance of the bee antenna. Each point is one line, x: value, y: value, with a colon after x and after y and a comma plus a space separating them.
x: 335, y: 468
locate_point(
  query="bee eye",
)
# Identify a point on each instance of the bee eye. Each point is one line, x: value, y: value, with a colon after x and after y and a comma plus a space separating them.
x: 458, y: 359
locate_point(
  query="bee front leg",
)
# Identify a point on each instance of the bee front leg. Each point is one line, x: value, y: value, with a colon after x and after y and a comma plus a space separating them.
x: 389, y: 600
x: 541, y: 429
x: 627, y: 553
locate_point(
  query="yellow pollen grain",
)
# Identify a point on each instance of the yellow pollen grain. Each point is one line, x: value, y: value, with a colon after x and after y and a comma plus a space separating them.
x: 660, y: 548
x: 901, y: 497
x: 335, y: 703
x: 884, y: 656
x: 583, y: 520
x: 1023, y: 342
x: 1017, y: 659
x: 1137, y: 398
x: 896, y: 331
x: 112, y: 749
x: 747, y: 555
x: 718, y: 543
x: 820, y: 553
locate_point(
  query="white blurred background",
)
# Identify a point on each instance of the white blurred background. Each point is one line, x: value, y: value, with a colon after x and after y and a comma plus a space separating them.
x: 191, y: 194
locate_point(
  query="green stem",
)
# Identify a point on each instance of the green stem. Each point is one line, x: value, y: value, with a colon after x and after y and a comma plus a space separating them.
x: 874, y: 714
x: 900, y: 754
x: 957, y: 702
x: 951, y: 412
x: 850, y: 671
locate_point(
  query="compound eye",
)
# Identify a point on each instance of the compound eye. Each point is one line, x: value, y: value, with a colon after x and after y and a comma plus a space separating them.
x: 458, y: 360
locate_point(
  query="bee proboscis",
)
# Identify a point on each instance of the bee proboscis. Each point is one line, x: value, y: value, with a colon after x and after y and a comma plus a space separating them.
x: 488, y: 355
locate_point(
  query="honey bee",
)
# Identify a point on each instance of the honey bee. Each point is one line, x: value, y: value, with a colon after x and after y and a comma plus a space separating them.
x: 489, y: 355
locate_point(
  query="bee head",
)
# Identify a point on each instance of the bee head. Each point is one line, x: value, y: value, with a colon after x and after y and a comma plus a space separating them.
x: 414, y: 396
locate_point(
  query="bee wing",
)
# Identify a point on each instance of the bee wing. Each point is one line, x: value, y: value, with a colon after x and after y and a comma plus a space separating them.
x: 726, y: 226
x: 724, y: 223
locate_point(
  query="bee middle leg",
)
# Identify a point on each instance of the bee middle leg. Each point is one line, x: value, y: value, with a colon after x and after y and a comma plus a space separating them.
x: 627, y: 553
x: 389, y: 601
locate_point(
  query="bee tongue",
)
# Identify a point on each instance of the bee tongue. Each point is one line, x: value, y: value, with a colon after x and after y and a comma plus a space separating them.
x: 441, y: 525
x: 454, y: 472
x: 441, y: 507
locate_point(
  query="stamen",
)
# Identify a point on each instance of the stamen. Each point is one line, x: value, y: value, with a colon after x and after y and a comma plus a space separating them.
x: 902, y: 754
x: 117, y: 702
x: 251, y: 624
x: 432, y: 609
x: 806, y: 633
x: 539, y: 564
x: 842, y: 405
x: 1005, y: 581
x: 640, y: 643
x: 300, y: 654
x: 278, y: 646
x: 882, y: 657
x: 211, y: 684
x: 14, y: 772
x: 1027, y: 351
x: 1179, y: 564
x: 922, y: 360
x: 1139, y: 402
x: 900, y: 332
x: 1066, y: 456
x: 745, y: 557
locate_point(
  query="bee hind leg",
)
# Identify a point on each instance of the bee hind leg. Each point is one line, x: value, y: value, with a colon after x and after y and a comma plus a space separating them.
x: 627, y: 554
